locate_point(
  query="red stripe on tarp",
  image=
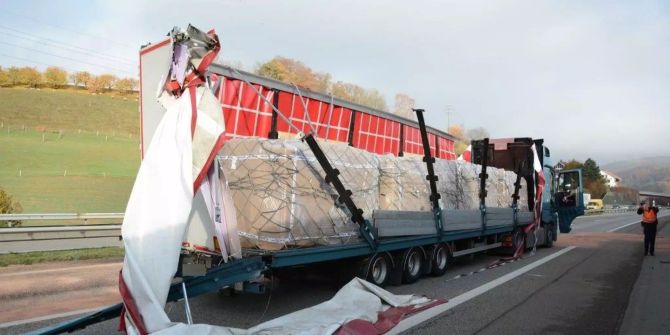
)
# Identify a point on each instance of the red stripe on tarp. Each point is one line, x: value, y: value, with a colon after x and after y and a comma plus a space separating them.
x: 210, y: 159
x: 386, y: 320
x: 130, y: 307
x: 194, y: 109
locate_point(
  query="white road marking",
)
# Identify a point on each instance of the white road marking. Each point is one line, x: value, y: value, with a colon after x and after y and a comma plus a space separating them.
x: 622, y: 227
x: 34, y: 272
x: 453, y: 302
x: 632, y: 223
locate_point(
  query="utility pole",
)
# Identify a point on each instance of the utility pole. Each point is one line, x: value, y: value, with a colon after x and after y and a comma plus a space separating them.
x: 449, y: 110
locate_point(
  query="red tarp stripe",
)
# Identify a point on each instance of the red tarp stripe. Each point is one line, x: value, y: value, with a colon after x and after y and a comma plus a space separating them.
x: 130, y: 307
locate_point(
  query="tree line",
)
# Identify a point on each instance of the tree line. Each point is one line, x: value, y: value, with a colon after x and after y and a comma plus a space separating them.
x: 56, y: 77
x: 296, y: 72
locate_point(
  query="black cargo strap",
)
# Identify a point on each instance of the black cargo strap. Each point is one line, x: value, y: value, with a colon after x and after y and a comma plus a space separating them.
x: 482, y: 181
x: 365, y: 228
x: 431, y: 177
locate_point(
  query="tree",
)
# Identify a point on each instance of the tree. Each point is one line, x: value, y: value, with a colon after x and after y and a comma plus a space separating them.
x: 573, y: 164
x: 125, y: 85
x: 295, y: 72
x: 9, y: 206
x: 462, y: 142
x: 14, y: 76
x: 321, y: 82
x: 594, y: 183
x: 107, y: 81
x: 80, y: 77
x: 457, y: 131
x: 591, y: 170
x: 288, y: 70
x: 478, y: 133
x: 403, y: 105
x: 30, y: 76
x: 55, y: 77
x: 373, y: 98
x: 4, y: 78
x: 95, y: 85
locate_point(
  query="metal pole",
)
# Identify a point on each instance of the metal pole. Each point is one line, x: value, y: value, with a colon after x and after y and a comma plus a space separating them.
x: 189, y: 319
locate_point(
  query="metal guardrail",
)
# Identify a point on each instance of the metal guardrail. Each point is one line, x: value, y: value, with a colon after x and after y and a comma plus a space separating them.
x: 64, y: 237
x: 60, y: 216
x: 609, y: 211
x: 27, y: 239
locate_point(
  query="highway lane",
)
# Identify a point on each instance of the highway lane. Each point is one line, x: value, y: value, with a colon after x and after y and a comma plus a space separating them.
x: 608, y: 222
x: 592, y: 280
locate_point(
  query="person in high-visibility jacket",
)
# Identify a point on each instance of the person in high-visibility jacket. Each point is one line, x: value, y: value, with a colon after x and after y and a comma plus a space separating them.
x: 649, y: 223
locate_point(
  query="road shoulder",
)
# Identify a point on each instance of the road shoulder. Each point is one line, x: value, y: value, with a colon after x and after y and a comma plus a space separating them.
x: 647, y: 307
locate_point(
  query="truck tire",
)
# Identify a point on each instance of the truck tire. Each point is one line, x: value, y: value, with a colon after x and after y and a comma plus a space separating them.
x: 412, y: 264
x: 377, y: 269
x: 549, y: 236
x: 439, y: 259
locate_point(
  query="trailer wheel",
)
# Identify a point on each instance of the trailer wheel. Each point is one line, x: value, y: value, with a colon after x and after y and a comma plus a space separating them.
x: 439, y: 259
x: 549, y: 236
x: 377, y: 269
x: 412, y: 264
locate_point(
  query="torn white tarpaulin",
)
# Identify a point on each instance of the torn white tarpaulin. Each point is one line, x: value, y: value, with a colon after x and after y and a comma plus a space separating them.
x: 357, y: 308
x: 175, y: 164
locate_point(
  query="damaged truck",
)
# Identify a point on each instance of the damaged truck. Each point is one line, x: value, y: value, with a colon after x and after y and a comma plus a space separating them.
x: 283, y: 176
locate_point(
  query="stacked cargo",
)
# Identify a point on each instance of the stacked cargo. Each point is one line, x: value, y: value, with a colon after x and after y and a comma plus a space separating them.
x: 282, y: 200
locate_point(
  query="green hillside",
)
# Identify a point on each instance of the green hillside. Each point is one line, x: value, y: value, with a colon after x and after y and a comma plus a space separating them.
x: 68, y: 151
x: 70, y: 110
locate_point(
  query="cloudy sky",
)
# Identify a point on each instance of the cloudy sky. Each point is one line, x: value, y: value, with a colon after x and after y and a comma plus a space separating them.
x: 590, y: 77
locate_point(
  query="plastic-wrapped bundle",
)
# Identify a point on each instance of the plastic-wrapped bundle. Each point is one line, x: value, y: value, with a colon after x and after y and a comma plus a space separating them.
x: 282, y: 199
x: 458, y: 184
x: 403, y: 184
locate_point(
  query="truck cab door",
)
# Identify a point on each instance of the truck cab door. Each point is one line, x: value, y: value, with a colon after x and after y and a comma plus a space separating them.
x: 568, y: 197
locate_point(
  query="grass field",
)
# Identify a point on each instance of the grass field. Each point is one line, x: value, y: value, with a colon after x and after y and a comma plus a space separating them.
x: 85, y: 161
x: 69, y: 110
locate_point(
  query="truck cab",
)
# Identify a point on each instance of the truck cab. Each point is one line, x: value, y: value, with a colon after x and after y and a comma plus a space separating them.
x: 563, y: 193
x: 563, y: 198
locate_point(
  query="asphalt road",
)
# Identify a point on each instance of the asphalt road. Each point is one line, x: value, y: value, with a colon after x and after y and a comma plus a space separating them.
x: 585, y: 290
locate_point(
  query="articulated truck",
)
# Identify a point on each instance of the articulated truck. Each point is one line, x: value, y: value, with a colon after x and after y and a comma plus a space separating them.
x: 391, y: 241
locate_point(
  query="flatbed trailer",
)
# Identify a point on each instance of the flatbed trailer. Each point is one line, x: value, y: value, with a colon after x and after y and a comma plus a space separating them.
x: 394, y: 246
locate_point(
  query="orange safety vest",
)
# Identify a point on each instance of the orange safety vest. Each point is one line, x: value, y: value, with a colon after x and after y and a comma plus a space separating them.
x: 649, y: 216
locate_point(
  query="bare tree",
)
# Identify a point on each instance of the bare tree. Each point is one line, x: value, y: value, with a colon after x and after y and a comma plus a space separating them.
x: 403, y: 105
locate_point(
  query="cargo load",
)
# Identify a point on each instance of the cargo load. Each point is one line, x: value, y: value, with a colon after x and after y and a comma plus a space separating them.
x: 281, y: 197
x: 403, y: 185
x: 283, y: 201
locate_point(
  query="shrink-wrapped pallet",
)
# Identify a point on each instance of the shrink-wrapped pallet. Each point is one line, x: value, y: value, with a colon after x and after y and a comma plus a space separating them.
x: 282, y: 199
x: 403, y: 184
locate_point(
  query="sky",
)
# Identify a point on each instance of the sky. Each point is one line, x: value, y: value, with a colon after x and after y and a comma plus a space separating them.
x: 590, y: 77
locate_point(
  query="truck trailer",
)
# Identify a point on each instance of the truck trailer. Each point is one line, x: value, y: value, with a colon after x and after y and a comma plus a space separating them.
x: 390, y: 246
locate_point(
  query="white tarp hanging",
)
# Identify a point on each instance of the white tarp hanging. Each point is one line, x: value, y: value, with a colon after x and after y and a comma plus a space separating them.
x: 160, y: 202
